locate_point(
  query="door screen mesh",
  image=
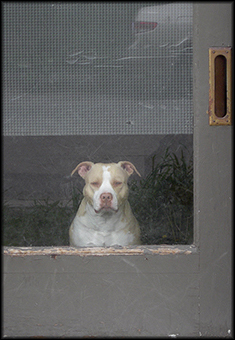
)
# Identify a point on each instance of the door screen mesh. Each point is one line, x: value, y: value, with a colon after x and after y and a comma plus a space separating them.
x: 97, y: 68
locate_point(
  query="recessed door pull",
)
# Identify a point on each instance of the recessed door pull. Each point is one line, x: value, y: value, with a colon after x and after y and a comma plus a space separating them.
x: 220, y: 86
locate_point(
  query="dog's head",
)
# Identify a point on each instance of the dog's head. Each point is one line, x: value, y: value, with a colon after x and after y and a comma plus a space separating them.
x: 106, y: 184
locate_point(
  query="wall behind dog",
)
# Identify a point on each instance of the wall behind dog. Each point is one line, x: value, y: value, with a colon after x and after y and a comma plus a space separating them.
x: 40, y: 167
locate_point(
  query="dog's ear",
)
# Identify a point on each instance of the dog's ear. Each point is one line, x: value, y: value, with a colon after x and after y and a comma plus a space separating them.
x: 129, y: 167
x: 83, y: 168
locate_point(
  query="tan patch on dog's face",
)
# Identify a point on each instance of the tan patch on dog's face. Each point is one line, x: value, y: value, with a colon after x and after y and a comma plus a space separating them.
x: 93, y: 182
x: 118, y: 181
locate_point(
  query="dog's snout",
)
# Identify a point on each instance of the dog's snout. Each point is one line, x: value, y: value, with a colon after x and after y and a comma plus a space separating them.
x: 106, y: 197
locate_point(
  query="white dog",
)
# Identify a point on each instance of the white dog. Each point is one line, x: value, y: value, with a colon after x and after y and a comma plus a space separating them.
x: 104, y: 217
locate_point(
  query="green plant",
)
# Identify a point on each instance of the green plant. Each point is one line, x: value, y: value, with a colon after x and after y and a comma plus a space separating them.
x: 163, y: 201
x: 42, y: 224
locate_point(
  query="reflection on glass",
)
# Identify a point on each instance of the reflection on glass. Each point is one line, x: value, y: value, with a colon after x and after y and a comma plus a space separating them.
x: 99, y: 82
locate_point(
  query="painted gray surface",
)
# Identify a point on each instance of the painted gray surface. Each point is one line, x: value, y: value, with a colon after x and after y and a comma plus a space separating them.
x: 147, y: 295
x: 212, y: 176
x: 112, y: 295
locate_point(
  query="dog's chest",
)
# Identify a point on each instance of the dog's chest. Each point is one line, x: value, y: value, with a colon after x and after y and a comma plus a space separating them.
x: 101, y: 231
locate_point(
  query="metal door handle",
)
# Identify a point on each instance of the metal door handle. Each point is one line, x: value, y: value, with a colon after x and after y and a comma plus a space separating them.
x: 220, y: 85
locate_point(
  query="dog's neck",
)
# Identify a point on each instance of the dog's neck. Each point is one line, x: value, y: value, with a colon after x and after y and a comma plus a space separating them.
x: 104, y: 220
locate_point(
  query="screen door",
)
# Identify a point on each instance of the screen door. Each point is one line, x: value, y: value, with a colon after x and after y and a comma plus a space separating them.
x: 102, y: 82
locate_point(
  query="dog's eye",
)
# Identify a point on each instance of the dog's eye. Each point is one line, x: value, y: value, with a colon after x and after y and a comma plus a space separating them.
x: 117, y: 183
x: 95, y: 184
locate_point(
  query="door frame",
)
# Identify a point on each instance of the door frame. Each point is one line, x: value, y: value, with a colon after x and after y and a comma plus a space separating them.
x: 146, y: 290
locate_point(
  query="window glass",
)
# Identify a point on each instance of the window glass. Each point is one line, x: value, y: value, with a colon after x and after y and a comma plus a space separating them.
x: 98, y: 82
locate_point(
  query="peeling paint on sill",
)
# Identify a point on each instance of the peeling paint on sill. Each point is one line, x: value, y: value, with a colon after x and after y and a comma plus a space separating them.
x: 101, y: 251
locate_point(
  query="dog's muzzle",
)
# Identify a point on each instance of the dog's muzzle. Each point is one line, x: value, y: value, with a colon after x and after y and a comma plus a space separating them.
x: 106, y: 202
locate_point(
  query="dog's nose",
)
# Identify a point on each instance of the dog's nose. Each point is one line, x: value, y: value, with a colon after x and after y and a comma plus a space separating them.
x: 106, y: 197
